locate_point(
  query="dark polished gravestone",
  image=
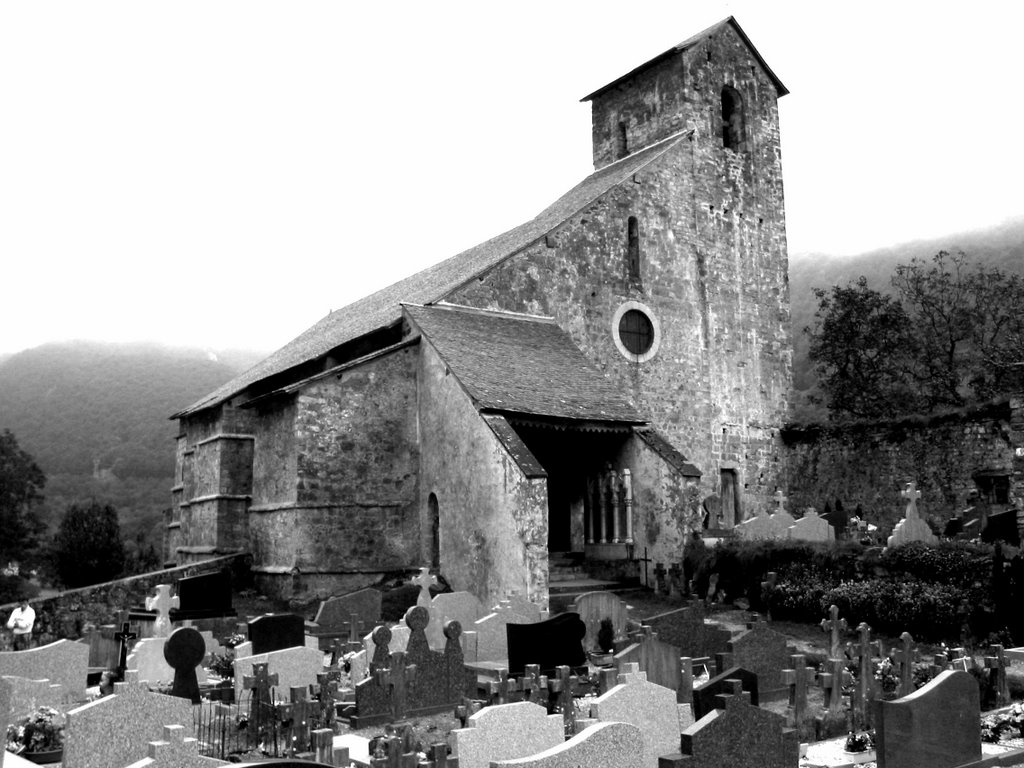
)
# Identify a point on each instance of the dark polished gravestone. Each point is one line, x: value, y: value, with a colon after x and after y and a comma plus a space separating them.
x: 205, y: 596
x: 184, y: 651
x: 548, y: 644
x: 276, y: 631
x: 705, y: 697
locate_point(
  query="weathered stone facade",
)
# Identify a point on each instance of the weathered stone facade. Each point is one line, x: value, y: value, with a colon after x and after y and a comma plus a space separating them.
x: 375, y: 443
x: 947, y: 456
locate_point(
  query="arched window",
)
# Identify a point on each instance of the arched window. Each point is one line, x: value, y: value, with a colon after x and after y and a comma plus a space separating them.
x: 435, y: 531
x: 732, y: 118
x: 633, y: 250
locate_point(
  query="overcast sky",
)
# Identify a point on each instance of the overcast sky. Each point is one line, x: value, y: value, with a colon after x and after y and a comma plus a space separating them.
x: 222, y: 174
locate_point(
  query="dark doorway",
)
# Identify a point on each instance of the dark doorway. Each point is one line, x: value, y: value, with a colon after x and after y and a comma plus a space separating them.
x: 435, y: 531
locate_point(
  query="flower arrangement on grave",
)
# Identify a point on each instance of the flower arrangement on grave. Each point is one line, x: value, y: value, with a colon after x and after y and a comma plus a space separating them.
x: 887, y: 675
x: 1003, y: 725
x: 223, y: 664
x: 41, y: 731
x: 859, y: 742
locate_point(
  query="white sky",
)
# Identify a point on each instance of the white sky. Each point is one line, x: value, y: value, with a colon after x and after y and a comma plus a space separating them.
x: 222, y: 174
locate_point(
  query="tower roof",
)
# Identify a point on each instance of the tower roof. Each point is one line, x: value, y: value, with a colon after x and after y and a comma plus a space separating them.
x: 689, y: 43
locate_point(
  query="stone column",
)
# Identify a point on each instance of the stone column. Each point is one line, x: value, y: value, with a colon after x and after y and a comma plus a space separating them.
x: 613, y: 498
x: 627, y: 502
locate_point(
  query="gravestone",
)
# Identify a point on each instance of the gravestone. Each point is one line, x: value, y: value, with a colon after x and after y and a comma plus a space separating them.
x: 937, y: 726
x: 175, y: 750
x: 798, y: 677
x: 336, y: 612
x: 812, y: 527
x: 548, y: 644
x: 64, y: 663
x: 758, y: 527
x: 424, y: 580
x: 463, y: 607
x: 116, y: 730
x: 19, y: 696
x: 687, y: 629
x: 505, y: 732
x: 276, y: 631
x: 912, y: 527
x: 764, y: 652
x: 162, y: 603
x: 835, y: 627
x: 661, y: 662
x: 651, y: 708
x: 491, y: 635
x: 184, y: 651
x: 523, y: 606
x: 592, y: 608
x: 705, y: 697
x: 147, y: 658
x: 737, y: 734
x: 398, y: 640
x: 293, y: 667
x: 204, y: 596
x: 602, y: 744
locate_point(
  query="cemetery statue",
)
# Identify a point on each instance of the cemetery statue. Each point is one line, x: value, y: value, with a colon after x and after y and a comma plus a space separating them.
x: 20, y: 623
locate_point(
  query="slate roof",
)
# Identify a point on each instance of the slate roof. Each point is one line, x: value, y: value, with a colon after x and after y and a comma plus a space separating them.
x: 521, y: 364
x: 381, y: 309
x: 689, y: 43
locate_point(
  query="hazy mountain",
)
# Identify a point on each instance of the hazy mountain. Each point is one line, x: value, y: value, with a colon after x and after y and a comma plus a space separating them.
x: 95, y: 417
x: 1001, y: 246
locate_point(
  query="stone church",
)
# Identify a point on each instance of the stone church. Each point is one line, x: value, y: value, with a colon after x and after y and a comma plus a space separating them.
x: 600, y: 380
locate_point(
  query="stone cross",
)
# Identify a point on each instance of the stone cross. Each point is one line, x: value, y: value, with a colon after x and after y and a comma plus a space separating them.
x: 396, y: 678
x: 565, y: 686
x: 911, y: 494
x: 355, y: 633
x: 997, y: 663
x: 501, y: 690
x: 768, y: 593
x: 833, y: 625
x: 124, y: 637
x: 326, y: 691
x: 798, y: 677
x: 905, y: 657
x: 425, y: 580
x: 675, y: 580
x: 832, y: 683
x: 162, y: 603
x: 533, y: 684
x: 260, y: 682
x: 607, y: 678
x: 864, y: 694
x: 659, y: 578
x: 302, y: 708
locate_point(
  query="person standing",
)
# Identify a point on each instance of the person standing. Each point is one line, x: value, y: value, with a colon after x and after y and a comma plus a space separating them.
x: 20, y: 623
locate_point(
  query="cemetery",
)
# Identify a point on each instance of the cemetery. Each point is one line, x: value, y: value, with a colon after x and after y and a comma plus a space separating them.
x: 738, y: 665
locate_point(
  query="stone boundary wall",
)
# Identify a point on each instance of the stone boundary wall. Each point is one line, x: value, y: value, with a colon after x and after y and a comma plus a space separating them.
x: 870, y: 463
x: 66, y: 614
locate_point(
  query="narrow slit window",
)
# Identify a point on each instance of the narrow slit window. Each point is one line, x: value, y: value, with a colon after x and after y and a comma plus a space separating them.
x: 633, y: 250
x: 732, y: 119
x: 622, y: 143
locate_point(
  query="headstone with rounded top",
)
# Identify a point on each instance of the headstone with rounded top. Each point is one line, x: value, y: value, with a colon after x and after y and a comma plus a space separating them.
x: 184, y: 651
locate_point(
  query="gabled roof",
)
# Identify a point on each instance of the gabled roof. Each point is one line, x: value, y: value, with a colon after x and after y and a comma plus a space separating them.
x: 520, y: 364
x: 381, y: 309
x: 689, y: 43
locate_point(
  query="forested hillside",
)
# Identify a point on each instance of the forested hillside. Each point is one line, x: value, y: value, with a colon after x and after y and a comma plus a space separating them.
x: 95, y: 418
x: 1001, y: 247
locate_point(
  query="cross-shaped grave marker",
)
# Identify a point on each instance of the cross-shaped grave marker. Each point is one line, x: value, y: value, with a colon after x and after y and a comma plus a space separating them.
x: 396, y: 678
x: 911, y: 494
x: 780, y: 501
x: 832, y: 682
x: 124, y: 637
x: 533, y: 684
x: 659, y: 578
x: 798, y: 677
x: 565, y: 686
x: 675, y: 580
x: 326, y: 691
x: 864, y: 693
x: 424, y: 580
x: 501, y: 690
x: 302, y: 709
x: 905, y: 657
x: 997, y: 664
x: 162, y: 602
x: 834, y: 625
x: 355, y: 633
x: 260, y: 683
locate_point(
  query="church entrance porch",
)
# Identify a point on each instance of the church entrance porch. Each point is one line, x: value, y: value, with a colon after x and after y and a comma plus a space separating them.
x: 589, y: 497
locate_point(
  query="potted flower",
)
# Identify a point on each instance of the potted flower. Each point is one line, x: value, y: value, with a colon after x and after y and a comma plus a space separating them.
x: 39, y: 738
x: 860, y: 746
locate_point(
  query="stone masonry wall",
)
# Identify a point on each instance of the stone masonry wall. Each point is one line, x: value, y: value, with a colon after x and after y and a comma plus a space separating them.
x: 868, y: 465
x: 337, y: 505
x: 714, y: 276
x: 494, y: 520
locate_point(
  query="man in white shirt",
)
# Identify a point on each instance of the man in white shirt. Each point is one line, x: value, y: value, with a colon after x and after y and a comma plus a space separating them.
x: 20, y: 623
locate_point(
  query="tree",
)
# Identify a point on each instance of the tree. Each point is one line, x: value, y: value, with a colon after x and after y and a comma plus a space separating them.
x: 861, y: 345
x: 21, y: 485
x: 88, y: 548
